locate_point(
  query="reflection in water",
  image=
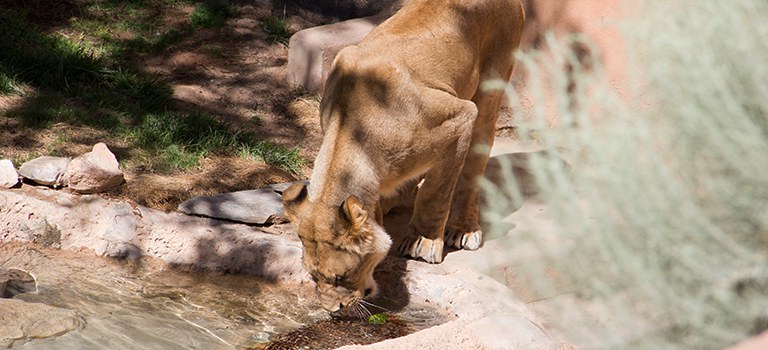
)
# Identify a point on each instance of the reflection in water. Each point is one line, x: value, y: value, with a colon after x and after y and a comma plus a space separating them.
x: 144, y: 306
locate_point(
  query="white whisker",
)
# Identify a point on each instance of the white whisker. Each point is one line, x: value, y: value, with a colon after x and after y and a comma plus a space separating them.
x: 365, y: 309
x: 374, y: 305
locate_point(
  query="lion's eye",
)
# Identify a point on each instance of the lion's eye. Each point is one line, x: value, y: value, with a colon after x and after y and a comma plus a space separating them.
x: 337, y: 280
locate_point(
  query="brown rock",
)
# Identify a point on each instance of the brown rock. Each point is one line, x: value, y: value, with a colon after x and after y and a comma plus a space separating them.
x: 94, y: 172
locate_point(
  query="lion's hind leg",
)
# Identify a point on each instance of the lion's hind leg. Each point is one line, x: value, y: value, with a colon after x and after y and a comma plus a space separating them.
x: 463, y: 229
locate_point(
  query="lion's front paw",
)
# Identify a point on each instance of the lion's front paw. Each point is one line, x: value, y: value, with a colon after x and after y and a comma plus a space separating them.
x: 464, y: 239
x: 420, y: 247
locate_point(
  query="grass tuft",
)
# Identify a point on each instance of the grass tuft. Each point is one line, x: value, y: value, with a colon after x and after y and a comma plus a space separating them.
x: 9, y: 85
x: 211, y: 14
x: 277, y: 29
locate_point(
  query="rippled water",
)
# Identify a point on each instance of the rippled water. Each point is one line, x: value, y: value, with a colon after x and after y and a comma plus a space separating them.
x: 143, y: 306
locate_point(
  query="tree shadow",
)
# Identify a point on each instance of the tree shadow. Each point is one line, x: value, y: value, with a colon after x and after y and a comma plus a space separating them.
x: 116, y: 94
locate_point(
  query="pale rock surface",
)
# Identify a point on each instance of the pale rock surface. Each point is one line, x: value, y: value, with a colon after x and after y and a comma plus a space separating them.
x: 94, y: 172
x: 119, y: 229
x: 21, y: 321
x: 8, y: 175
x: 758, y: 342
x: 46, y: 170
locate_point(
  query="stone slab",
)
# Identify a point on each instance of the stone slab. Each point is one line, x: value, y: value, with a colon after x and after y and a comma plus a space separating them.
x: 251, y: 207
x: 46, y: 170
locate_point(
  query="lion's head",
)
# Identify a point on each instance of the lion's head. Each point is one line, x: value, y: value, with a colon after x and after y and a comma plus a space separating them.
x: 341, y: 246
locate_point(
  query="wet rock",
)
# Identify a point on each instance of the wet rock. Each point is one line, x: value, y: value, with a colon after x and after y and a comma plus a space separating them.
x: 8, y: 175
x: 21, y: 321
x: 251, y: 207
x: 94, y: 172
x: 47, y: 171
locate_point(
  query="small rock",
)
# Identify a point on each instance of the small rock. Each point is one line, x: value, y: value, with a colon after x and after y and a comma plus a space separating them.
x: 251, y: 207
x: 16, y: 281
x: 47, y: 171
x: 8, y: 175
x: 21, y: 321
x: 94, y: 172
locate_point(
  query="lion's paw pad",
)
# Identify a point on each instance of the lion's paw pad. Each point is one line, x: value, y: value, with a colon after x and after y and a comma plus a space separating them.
x: 464, y: 240
x: 419, y: 247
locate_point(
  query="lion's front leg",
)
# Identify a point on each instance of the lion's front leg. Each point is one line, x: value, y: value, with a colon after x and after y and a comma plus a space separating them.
x: 424, y: 236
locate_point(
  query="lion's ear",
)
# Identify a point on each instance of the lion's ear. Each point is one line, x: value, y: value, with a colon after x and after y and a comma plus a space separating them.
x: 295, y: 200
x: 354, y: 211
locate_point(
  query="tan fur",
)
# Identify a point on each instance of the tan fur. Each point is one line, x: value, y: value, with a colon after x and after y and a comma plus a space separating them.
x: 405, y: 103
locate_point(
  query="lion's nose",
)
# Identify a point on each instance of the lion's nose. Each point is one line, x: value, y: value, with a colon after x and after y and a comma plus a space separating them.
x: 367, y: 292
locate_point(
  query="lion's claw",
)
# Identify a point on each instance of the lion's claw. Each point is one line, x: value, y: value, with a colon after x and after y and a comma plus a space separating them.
x: 459, y: 239
x: 420, y: 247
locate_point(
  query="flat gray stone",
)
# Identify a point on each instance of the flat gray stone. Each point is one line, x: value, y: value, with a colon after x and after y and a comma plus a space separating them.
x: 251, y: 207
x: 8, y: 175
x: 46, y: 170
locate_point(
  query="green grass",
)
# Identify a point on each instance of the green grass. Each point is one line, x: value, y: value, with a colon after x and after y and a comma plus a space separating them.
x: 84, y: 78
x: 183, y: 139
x: 9, y: 85
x: 662, y: 229
x: 277, y: 29
x: 211, y: 14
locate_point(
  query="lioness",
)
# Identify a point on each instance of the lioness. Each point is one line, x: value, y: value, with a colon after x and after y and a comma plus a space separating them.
x: 402, y: 104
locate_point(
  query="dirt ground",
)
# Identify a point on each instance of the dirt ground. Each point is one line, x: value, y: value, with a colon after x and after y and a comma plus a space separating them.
x: 235, y: 73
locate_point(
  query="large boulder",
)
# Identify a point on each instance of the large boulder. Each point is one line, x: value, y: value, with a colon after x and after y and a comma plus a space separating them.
x: 8, y: 175
x: 46, y: 170
x: 94, y: 172
x: 311, y: 51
